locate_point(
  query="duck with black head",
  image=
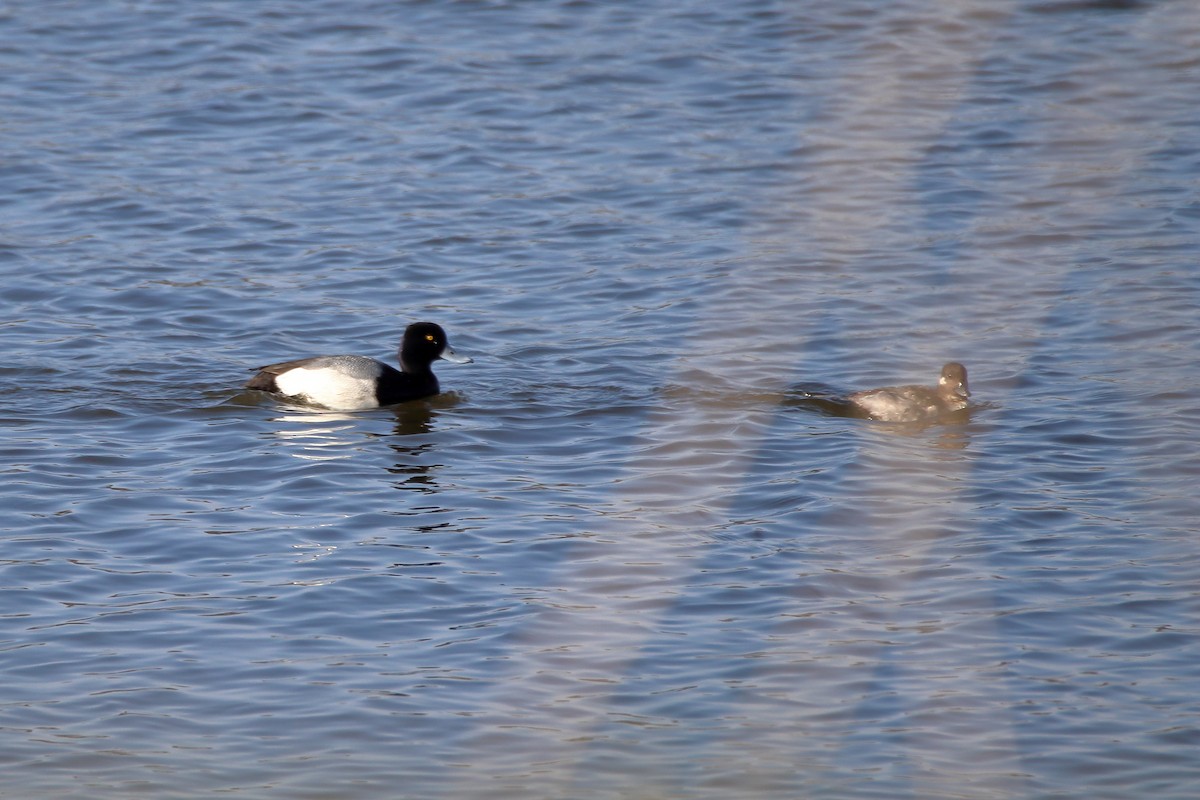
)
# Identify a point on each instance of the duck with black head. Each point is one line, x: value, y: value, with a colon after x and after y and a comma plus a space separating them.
x: 915, y: 403
x: 354, y: 383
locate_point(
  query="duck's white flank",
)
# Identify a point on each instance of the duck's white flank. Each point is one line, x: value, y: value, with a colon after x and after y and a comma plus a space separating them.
x: 329, y: 387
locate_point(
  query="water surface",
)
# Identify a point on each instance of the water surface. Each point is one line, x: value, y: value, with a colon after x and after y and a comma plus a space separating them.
x: 621, y: 556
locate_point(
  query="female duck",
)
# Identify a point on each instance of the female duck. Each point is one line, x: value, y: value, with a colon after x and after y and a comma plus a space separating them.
x: 352, y: 383
x: 916, y: 403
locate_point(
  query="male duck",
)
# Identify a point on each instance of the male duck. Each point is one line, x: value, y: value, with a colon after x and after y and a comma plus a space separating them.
x: 353, y: 383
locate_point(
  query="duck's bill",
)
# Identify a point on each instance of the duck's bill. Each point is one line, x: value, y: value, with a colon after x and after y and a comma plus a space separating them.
x: 454, y: 358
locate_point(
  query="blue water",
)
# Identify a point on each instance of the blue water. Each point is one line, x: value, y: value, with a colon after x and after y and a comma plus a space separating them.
x: 623, y: 555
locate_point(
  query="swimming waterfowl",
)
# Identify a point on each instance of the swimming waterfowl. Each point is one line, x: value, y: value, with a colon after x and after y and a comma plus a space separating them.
x: 353, y: 383
x: 916, y: 403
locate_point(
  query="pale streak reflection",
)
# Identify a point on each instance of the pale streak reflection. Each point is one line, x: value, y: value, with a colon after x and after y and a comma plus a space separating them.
x: 869, y: 140
x: 871, y: 145
x: 866, y: 149
x: 322, y: 435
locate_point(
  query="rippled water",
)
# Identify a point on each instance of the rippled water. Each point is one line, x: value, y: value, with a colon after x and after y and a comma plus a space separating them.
x: 625, y: 555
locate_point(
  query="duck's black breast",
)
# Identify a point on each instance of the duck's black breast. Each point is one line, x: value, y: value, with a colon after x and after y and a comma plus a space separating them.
x: 394, y: 386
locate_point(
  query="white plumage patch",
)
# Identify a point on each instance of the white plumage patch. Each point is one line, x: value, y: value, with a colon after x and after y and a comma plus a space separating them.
x: 329, y: 387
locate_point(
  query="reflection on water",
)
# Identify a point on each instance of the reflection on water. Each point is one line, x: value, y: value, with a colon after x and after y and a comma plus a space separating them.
x: 415, y: 471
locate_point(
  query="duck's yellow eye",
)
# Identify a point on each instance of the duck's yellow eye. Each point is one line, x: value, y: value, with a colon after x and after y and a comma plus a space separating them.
x: 429, y: 337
